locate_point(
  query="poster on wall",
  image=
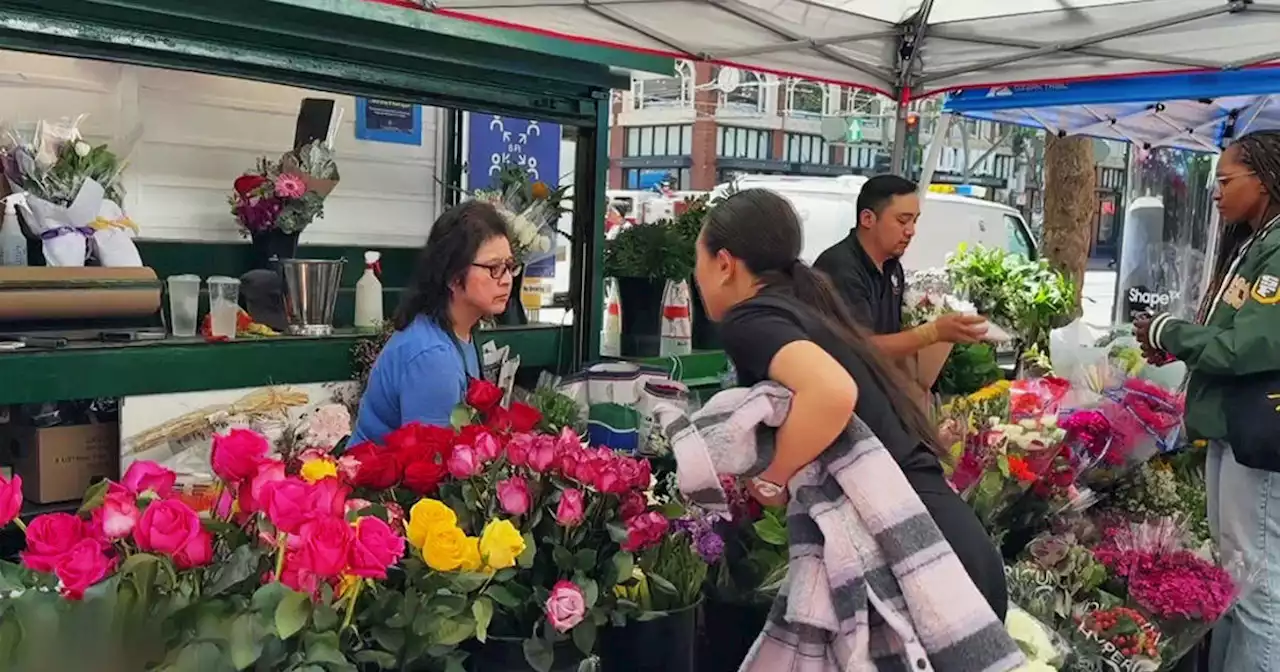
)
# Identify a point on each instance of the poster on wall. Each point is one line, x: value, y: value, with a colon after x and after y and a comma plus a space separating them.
x: 379, y: 120
x: 495, y: 141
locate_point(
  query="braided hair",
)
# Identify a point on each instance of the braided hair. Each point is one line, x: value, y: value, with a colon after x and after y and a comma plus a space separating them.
x: 1260, y: 151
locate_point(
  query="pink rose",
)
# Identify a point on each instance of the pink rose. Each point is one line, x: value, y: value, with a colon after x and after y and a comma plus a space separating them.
x: 570, y: 509
x: 464, y: 463
x: 395, y: 515
x: 349, y: 468
x: 632, y: 505
x: 566, y: 606
x: 144, y: 475
x: 237, y: 454
x: 643, y: 531
x: 117, y: 515
x: 329, y: 497
x: 326, y: 542
x: 518, y: 448
x: 167, y: 526
x: 298, y: 576
x: 49, y: 537
x: 10, y: 499
x: 288, y: 504
x: 513, y: 495
x: 253, y: 498
x: 81, y: 567
x: 197, y: 552
x: 487, y: 448
x: 375, y: 548
x: 542, y: 454
x: 356, y: 505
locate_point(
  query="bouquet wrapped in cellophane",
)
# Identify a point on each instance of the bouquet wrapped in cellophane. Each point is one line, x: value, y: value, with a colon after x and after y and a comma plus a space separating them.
x: 73, y: 195
x: 531, y: 208
x: 287, y: 194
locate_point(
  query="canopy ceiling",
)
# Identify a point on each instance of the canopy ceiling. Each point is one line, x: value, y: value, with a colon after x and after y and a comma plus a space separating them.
x: 1197, y: 111
x: 963, y: 42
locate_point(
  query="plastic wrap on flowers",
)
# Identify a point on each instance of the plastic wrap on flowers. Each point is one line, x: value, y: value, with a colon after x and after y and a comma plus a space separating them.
x: 1037, y: 397
x: 1134, y: 422
x: 1127, y: 595
x: 1045, y: 649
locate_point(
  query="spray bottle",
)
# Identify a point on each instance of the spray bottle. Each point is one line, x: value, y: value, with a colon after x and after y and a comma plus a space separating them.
x: 611, y: 332
x: 369, y: 293
x: 13, y: 243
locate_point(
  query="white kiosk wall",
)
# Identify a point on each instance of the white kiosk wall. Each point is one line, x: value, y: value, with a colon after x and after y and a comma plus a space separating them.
x: 1168, y: 231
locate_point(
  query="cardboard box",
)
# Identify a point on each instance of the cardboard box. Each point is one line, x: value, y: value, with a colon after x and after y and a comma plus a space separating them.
x: 57, y: 464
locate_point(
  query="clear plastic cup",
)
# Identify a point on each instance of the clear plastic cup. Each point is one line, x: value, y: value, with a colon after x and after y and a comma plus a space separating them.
x: 184, y: 304
x: 224, y: 305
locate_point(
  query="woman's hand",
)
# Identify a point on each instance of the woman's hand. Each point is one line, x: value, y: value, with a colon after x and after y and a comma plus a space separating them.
x: 1142, y: 330
x: 779, y: 499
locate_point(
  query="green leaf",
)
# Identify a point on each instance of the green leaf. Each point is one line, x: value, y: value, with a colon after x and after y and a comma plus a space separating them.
x: 563, y: 558
x: 526, y: 558
x: 585, y: 559
x: 391, y: 639
x: 292, y: 614
x: 242, y: 565
x: 623, y: 564
x: 661, y: 583
x: 199, y: 656
x: 94, y: 495
x: 453, y: 662
x: 482, y: 612
x: 325, y: 617
x: 539, y: 654
x: 617, y: 532
x: 466, y: 582
x: 246, y: 641
x: 461, y: 416
x: 590, y: 590
x: 503, y: 596
x: 452, y: 631
x: 325, y: 649
x: 382, y: 659
x: 771, y: 531
x: 584, y: 636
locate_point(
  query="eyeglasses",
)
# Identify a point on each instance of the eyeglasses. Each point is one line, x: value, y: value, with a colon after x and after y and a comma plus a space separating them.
x: 1224, y: 180
x: 498, y: 268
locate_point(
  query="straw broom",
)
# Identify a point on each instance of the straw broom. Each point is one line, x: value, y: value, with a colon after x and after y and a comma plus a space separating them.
x: 202, y: 421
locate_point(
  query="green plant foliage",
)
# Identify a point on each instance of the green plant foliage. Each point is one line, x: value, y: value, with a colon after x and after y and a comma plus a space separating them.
x: 1028, y: 296
x: 969, y: 368
x: 655, y: 251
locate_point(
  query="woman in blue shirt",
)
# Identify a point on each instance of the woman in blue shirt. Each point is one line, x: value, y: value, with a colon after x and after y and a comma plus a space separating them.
x: 463, y: 275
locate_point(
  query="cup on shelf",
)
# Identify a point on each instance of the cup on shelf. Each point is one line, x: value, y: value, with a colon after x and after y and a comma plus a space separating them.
x: 184, y: 304
x: 224, y: 305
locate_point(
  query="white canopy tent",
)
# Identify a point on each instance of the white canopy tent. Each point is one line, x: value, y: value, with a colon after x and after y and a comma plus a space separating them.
x: 909, y: 48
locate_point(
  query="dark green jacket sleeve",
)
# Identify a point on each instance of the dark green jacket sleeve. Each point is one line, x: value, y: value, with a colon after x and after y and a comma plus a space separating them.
x: 1248, y: 343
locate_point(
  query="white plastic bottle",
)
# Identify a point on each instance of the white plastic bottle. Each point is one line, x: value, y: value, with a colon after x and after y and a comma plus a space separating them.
x: 369, y: 293
x: 13, y: 244
x: 611, y: 331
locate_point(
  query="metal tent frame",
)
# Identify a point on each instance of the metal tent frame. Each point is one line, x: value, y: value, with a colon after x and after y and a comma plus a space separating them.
x: 912, y: 48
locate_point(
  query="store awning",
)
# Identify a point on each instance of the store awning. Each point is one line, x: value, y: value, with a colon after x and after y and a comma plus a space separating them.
x: 961, y: 43
x: 1190, y: 111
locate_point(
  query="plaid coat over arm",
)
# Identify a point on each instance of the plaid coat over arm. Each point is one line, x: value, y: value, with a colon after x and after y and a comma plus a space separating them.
x: 872, y: 584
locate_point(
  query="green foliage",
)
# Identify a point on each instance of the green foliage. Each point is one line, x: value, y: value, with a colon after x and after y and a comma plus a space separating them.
x: 755, y: 559
x: 654, y: 251
x: 558, y: 411
x: 969, y: 368
x: 1028, y: 296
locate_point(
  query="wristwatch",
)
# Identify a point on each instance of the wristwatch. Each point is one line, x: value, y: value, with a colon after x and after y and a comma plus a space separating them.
x: 767, y: 488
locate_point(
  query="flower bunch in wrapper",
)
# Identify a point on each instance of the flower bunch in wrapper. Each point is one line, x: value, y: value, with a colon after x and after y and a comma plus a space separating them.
x: 962, y: 416
x: 752, y: 562
x: 531, y: 208
x: 1133, y: 422
x: 670, y: 576
x: 287, y: 194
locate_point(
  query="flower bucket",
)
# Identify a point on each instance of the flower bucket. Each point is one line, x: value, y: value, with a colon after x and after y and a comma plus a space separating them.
x: 503, y: 654
x: 641, y: 300
x: 726, y: 633
x: 272, y: 245
x: 664, y: 644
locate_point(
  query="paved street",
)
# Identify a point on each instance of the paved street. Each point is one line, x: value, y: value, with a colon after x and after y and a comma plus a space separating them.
x: 1099, y: 296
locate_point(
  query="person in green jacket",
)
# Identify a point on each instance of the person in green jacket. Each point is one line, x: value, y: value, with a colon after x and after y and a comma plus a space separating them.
x: 1236, y: 336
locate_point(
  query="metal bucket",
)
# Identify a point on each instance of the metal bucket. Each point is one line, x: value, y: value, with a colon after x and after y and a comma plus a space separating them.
x: 310, y: 294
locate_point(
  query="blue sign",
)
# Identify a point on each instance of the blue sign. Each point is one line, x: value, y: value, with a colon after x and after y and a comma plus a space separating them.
x: 495, y: 141
x: 388, y: 121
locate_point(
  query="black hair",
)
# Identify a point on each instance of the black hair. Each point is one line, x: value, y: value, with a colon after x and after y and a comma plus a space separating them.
x: 762, y: 230
x: 1260, y: 151
x: 451, y: 248
x: 879, y: 190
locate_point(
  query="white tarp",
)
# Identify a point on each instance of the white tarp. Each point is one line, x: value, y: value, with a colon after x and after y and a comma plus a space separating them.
x: 964, y: 42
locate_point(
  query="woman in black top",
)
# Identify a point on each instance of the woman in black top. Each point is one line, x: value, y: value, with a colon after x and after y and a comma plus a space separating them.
x: 782, y: 321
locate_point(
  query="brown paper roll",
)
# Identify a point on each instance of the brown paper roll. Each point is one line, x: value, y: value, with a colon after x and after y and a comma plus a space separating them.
x: 57, y: 293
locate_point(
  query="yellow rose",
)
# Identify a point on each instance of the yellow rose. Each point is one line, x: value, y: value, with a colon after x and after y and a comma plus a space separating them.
x: 318, y: 470
x: 471, y: 560
x: 426, y: 516
x: 501, y: 544
x: 446, y: 549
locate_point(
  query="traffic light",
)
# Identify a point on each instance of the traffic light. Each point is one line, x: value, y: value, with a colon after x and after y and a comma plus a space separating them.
x: 913, y: 129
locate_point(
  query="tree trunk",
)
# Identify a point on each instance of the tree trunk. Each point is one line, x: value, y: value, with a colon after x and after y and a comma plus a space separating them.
x: 1070, y: 205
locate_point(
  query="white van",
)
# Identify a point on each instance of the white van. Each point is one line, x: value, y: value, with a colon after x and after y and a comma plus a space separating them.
x: 828, y: 210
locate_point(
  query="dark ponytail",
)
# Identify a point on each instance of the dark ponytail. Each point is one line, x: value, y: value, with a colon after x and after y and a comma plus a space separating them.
x: 760, y: 228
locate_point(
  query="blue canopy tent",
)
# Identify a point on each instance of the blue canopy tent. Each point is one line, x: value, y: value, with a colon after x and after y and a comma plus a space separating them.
x: 1195, y: 111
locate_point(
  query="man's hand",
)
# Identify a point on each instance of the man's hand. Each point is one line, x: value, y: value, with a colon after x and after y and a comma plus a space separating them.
x: 1142, y: 330
x: 960, y: 328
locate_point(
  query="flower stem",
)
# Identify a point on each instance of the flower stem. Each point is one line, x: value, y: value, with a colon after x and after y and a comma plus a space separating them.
x: 282, y: 540
x: 351, y: 605
x: 21, y: 525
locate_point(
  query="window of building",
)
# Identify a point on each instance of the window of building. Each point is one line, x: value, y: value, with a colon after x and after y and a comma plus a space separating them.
x: 676, y: 179
x: 659, y: 141
x: 664, y: 92
x: 803, y: 148
x: 1110, y: 179
x: 806, y: 99
x: 748, y: 96
x: 742, y: 143
x: 861, y: 156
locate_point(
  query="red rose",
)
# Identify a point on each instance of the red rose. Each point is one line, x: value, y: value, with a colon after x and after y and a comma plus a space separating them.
x: 81, y: 567
x: 523, y: 417
x: 633, y: 504
x: 423, y: 476
x: 483, y: 395
x: 416, y: 440
x: 238, y: 454
x: 498, y: 419
x: 378, y: 469
x: 518, y: 449
x: 247, y: 183
x: 644, y: 530
x: 49, y: 537
x: 374, y: 548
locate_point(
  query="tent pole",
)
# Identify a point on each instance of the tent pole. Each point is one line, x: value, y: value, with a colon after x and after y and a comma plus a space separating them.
x: 935, y: 152
x: 897, y: 163
x: 913, y: 33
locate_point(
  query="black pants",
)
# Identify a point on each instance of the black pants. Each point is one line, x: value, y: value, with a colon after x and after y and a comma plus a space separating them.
x: 969, y: 540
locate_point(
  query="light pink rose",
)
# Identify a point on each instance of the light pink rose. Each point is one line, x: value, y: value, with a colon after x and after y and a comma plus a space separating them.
x: 144, y: 475
x: 513, y: 495
x: 254, y: 497
x: 566, y: 606
x: 542, y: 454
x: 117, y: 515
x: 327, y: 426
x: 569, y: 511
x: 487, y: 448
x: 464, y: 463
